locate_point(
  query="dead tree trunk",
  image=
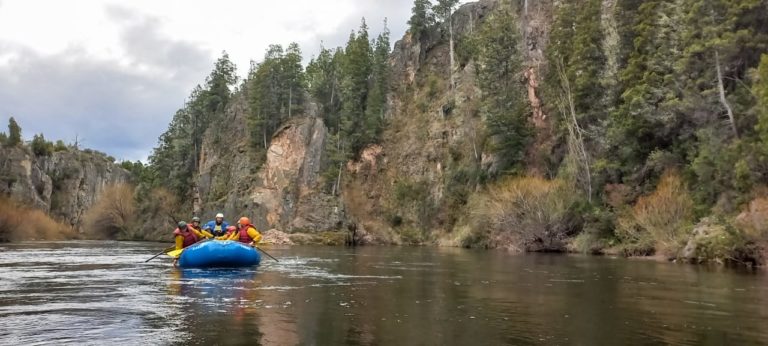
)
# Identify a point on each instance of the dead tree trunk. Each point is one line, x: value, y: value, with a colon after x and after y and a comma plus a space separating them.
x: 576, y: 145
x: 723, y: 100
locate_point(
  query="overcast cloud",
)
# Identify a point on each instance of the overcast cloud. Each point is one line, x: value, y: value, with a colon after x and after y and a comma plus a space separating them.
x: 114, y: 72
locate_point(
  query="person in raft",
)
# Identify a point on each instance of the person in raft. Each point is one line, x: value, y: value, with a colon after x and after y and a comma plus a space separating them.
x: 217, y: 226
x: 246, y: 233
x: 196, y: 227
x: 229, y: 233
x: 185, y: 235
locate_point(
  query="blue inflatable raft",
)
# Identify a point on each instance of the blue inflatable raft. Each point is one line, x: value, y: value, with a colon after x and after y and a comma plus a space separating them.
x: 219, y: 254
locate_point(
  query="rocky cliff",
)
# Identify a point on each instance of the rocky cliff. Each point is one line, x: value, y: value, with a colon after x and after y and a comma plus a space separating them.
x: 406, y: 189
x: 64, y: 184
x: 277, y: 188
x: 413, y: 187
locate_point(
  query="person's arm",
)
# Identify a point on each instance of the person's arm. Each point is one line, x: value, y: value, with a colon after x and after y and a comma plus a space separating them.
x: 179, y: 242
x: 202, y: 233
x: 254, y: 234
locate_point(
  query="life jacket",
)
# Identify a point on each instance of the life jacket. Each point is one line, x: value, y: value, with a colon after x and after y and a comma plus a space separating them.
x: 244, y: 236
x: 218, y: 229
x: 189, y: 236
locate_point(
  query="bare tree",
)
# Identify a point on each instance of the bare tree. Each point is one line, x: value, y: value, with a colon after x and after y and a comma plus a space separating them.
x: 576, y: 148
x: 723, y: 100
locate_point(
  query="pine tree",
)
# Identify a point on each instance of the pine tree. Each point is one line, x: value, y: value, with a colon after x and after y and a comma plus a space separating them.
x: 219, y: 83
x: 575, y: 44
x: 323, y: 77
x: 293, y: 78
x: 14, y: 133
x: 41, y: 147
x: 499, y: 75
x: 379, y: 83
x: 421, y: 18
x: 647, y: 117
x: 356, y: 71
x: 723, y: 39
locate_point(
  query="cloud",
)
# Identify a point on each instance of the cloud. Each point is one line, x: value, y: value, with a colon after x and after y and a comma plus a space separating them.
x: 114, y: 72
x: 119, y: 107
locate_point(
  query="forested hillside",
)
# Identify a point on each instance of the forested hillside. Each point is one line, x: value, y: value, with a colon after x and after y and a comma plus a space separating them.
x: 634, y: 127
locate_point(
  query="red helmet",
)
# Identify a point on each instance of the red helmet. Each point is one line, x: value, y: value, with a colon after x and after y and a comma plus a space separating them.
x: 231, y: 228
x: 244, y: 221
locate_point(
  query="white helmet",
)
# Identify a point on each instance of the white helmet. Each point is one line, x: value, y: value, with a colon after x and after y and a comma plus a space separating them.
x: 220, y: 215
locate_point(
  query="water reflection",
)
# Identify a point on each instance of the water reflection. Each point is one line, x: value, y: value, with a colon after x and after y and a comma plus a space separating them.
x: 103, y: 293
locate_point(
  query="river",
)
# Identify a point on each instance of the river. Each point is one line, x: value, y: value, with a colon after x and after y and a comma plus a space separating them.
x: 102, y: 293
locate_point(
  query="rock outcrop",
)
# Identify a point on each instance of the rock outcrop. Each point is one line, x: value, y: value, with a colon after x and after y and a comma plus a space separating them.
x: 64, y: 184
x: 277, y: 188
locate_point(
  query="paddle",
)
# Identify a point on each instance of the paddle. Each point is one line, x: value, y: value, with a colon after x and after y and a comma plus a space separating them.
x: 262, y: 250
x: 161, y: 252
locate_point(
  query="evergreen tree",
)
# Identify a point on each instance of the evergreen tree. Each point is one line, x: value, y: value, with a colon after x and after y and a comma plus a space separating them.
x: 219, y: 83
x: 175, y: 160
x: 379, y: 83
x: 41, y: 147
x: 323, y: 76
x: 503, y: 95
x: 575, y: 44
x: 14, y: 133
x: 293, y: 77
x: 356, y: 71
x: 275, y: 90
x: 646, y: 119
x: 421, y: 18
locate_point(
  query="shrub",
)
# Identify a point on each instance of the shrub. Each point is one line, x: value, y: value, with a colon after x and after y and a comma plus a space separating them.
x: 60, y: 146
x: 19, y: 222
x: 525, y: 214
x: 662, y: 218
x: 41, y: 147
x: 114, y: 213
x: 715, y: 239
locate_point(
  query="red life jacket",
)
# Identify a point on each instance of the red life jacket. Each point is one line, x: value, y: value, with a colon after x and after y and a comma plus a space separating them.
x: 189, y: 236
x: 243, y: 233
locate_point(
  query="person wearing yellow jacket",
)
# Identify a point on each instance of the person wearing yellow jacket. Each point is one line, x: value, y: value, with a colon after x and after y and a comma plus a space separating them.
x: 247, y: 233
x: 186, y: 235
x: 229, y: 234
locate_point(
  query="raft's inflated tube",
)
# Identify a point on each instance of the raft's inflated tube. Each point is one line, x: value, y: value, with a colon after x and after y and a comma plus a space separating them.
x: 219, y: 254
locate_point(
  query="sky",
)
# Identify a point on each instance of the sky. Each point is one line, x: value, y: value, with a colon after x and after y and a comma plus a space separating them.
x: 112, y: 73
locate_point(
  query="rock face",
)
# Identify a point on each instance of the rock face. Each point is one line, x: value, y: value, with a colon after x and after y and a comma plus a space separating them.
x: 64, y: 184
x: 411, y: 187
x: 285, y: 191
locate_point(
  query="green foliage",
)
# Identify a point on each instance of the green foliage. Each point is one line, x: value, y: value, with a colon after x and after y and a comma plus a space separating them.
x: 3, y: 138
x: 41, y: 147
x: 324, y: 82
x: 14, y: 133
x: 275, y: 91
x: 176, y: 158
x: 503, y: 94
x: 575, y: 44
x: 364, y: 85
x: 60, y: 146
x: 421, y: 17
x: 444, y: 9
x: 760, y: 89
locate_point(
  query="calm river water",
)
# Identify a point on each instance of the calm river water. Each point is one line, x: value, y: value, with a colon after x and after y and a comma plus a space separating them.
x: 102, y: 293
